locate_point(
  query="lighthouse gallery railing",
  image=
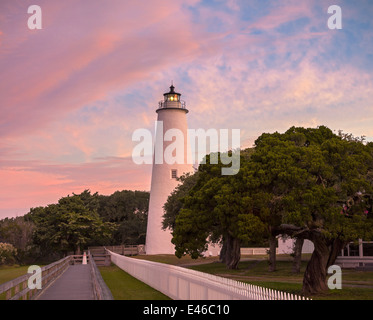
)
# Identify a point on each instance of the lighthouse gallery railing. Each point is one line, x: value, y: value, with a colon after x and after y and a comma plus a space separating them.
x: 172, y: 104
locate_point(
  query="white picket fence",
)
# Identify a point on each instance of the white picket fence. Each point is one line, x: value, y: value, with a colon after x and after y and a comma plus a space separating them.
x: 185, y: 284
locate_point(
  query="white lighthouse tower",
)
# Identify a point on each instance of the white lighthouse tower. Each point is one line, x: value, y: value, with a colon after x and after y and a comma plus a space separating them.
x: 170, y: 161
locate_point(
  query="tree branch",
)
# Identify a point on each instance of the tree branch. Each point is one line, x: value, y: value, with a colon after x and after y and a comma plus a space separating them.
x: 297, y: 232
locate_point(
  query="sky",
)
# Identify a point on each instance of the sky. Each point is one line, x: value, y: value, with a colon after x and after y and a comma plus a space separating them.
x: 73, y: 92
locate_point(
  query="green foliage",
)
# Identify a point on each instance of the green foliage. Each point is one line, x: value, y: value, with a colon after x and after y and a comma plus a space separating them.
x: 318, y: 187
x: 77, y: 221
x: 175, y: 201
x: 210, y: 207
x: 16, y: 231
x: 308, y: 175
x: 129, y: 211
x: 7, y: 254
x: 307, y: 182
x: 68, y: 226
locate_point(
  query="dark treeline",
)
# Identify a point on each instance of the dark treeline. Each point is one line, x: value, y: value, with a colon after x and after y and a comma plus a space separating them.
x: 76, y: 222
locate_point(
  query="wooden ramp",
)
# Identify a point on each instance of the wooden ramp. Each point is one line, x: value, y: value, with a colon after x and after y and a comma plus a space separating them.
x: 74, y: 284
x: 100, y: 256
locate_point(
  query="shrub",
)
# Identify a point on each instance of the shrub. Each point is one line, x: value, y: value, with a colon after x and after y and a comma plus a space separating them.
x: 7, y: 254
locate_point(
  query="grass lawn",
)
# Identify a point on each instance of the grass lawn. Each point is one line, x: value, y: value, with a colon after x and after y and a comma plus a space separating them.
x: 125, y: 287
x: 172, y: 259
x: 8, y: 273
x: 356, y: 285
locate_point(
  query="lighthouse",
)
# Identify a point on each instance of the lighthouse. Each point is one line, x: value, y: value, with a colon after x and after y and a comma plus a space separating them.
x: 170, y: 161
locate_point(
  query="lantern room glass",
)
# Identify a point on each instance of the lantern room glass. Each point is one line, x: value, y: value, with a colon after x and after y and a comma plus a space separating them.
x: 172, y: 97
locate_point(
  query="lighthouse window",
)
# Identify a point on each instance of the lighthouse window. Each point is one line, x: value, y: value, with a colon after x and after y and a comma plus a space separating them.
x: 173, y: 174
x: 173, y: 98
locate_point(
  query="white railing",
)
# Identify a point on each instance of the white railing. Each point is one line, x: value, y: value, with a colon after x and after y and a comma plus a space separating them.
x: 354, y: 262
x: 254, y: 251
x: 185, y: 284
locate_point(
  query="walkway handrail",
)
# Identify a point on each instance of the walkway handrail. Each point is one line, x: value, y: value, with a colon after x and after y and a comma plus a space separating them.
x: 100, y: 289
x: 18, y: 288
x: 123, y: 249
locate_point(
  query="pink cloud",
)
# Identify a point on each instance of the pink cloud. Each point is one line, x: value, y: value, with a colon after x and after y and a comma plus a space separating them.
x: 72, y: 94
x: 283, y: 12
x: 81, y: 55
x: 30, y: 184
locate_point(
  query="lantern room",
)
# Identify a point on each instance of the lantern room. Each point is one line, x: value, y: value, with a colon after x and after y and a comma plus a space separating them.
x: 172, y: 95
x: 172, y: 100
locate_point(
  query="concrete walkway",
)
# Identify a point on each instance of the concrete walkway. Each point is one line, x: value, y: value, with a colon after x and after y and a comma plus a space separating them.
x: 74, y: 284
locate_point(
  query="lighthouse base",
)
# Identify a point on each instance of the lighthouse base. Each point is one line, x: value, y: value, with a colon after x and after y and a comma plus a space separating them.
x: 160, y: 243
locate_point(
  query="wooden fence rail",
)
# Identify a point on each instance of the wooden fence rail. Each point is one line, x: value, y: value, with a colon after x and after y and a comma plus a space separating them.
x: 18, y: 288
x: 126, y: 250
x: 100, y: 289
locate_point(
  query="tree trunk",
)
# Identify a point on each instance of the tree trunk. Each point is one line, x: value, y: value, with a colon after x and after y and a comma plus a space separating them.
x: 232, y: 252
x: 314, y: 280
x: 272, y: 254
x: 297, y: 255
x: 335, y: 250
x: 323, y: 256
x: 223, y: 252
